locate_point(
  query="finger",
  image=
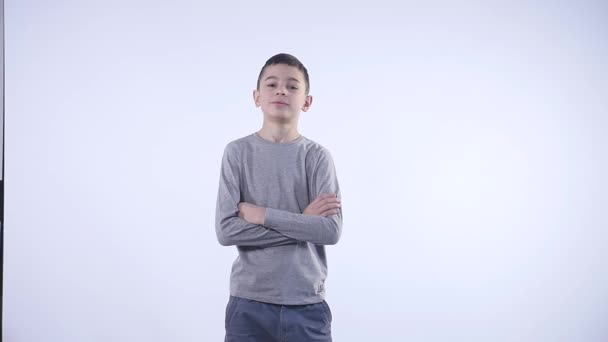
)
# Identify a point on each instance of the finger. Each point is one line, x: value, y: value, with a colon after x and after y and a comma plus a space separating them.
x: 328, y: 195
x: 329, y: 206
x: 318, y: 201
x: 331, y: 200
x: 330, y: 212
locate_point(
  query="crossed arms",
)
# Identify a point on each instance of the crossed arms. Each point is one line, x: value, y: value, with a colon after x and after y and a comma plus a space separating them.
x: 246, y: 224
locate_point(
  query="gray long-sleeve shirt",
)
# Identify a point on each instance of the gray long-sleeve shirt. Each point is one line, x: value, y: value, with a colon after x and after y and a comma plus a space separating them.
x: 284, y: 260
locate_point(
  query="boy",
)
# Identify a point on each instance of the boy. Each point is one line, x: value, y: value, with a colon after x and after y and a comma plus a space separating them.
x: 279, y: 203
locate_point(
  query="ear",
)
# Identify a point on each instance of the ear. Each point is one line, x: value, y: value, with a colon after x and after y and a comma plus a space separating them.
x: 256, y: 97
x: 307, y: 103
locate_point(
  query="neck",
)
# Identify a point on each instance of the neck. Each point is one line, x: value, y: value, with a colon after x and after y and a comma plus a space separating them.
x: 279, y: 133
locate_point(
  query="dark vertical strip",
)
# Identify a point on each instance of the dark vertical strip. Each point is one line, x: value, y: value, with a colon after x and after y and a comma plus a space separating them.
x: 2, y: 182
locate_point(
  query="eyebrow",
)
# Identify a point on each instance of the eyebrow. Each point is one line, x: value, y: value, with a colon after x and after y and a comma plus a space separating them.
x: 290, y: 78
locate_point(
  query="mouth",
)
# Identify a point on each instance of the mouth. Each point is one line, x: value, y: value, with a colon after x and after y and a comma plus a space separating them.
x: 279, y: 103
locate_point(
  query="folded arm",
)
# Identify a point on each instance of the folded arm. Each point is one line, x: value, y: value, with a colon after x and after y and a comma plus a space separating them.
x: 236, y: 231
x: 321, y: 222
x: 312, y: 228
x: 229, y: 227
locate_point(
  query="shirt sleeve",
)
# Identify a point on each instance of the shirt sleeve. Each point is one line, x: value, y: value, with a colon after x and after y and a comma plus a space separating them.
x: 312, y: 228
x: 229, y: 227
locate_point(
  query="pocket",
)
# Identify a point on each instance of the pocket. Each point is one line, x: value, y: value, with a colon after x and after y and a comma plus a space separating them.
x: 231, y: 309
x: 327, y: 310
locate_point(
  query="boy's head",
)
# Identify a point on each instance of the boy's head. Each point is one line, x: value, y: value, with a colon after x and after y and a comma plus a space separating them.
x: 286, y: 59
x: 282, y: 88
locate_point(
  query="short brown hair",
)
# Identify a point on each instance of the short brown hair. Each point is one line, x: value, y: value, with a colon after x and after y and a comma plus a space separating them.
x: 285, y: 58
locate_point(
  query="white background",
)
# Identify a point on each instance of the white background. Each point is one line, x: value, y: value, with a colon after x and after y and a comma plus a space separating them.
x: 470, y: 141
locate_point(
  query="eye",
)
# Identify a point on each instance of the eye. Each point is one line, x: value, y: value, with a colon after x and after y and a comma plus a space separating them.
x: 294, y: 87
x: 271, y: 85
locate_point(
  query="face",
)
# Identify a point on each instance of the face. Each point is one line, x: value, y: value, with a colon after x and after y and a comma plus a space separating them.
x: 282, y: 93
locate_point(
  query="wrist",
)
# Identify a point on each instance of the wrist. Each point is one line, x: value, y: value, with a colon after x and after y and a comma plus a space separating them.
x: 261, y: 215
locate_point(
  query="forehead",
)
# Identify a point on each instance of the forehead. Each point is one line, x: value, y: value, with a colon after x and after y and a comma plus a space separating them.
x: 282, y: 71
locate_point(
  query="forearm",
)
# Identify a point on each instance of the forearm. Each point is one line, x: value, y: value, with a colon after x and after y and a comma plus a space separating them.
x: 312, y: 228
x: 229, y: 227
x: 236, y: 231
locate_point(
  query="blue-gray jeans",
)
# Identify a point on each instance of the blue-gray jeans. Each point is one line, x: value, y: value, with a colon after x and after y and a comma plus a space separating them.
x: 249, y: 320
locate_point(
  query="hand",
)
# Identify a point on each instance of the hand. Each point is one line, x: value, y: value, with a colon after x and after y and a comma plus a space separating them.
x: 324, y: 205
x: 252, y: 213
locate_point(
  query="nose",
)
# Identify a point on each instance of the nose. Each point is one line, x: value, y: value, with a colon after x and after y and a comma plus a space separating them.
x: 280, y: 90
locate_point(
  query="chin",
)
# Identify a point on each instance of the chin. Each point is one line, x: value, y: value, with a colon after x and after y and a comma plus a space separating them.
x: 280, y: 116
